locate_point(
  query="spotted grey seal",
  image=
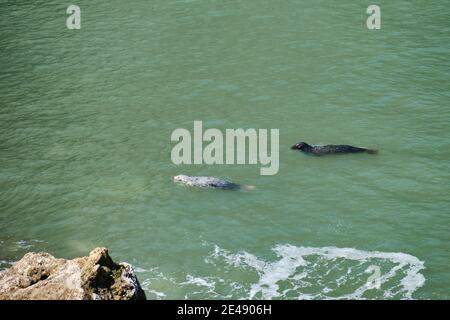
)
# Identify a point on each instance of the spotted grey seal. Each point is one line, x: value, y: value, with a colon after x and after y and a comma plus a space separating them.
x: 319, y: 150
x: 207, y: 182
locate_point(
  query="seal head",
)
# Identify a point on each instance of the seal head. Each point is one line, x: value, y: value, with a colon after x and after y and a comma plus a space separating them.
x: 181, y: 178
x: 301, y: 146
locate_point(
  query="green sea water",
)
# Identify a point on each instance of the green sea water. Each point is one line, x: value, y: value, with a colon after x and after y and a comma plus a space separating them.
x: 86, y: 117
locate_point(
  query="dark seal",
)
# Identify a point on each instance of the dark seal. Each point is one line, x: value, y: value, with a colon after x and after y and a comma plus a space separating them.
x: 320, y: 150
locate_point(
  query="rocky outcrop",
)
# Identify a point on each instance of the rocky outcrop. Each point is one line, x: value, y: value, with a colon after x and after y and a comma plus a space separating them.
x: 40, y: 276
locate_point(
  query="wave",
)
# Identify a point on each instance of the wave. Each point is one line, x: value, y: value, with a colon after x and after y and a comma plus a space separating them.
x: 328, y: 272
x: 297, y: 272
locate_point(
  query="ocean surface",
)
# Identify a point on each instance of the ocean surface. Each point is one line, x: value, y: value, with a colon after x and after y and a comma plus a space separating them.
x: 86, y: 118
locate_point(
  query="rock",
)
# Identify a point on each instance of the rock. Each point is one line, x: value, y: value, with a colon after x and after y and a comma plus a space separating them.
x: 40, y: 276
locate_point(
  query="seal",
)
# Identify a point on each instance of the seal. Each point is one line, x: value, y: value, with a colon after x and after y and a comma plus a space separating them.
x: 320, y: 150
x: 206, y: 182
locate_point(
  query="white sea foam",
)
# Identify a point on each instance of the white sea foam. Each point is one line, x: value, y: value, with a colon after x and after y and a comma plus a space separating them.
x: 154, y: 294
x: 139, y: 269
x: 305, y: 273
x: 198, y: 281
x: 27, y: 244
x: 294, y: 273
x: 5, y: 264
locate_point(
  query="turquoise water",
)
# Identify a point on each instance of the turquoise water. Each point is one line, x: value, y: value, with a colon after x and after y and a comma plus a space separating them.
x: 86, y: 117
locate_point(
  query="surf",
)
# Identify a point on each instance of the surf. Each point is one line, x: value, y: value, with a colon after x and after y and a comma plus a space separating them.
x: 299, y: 272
